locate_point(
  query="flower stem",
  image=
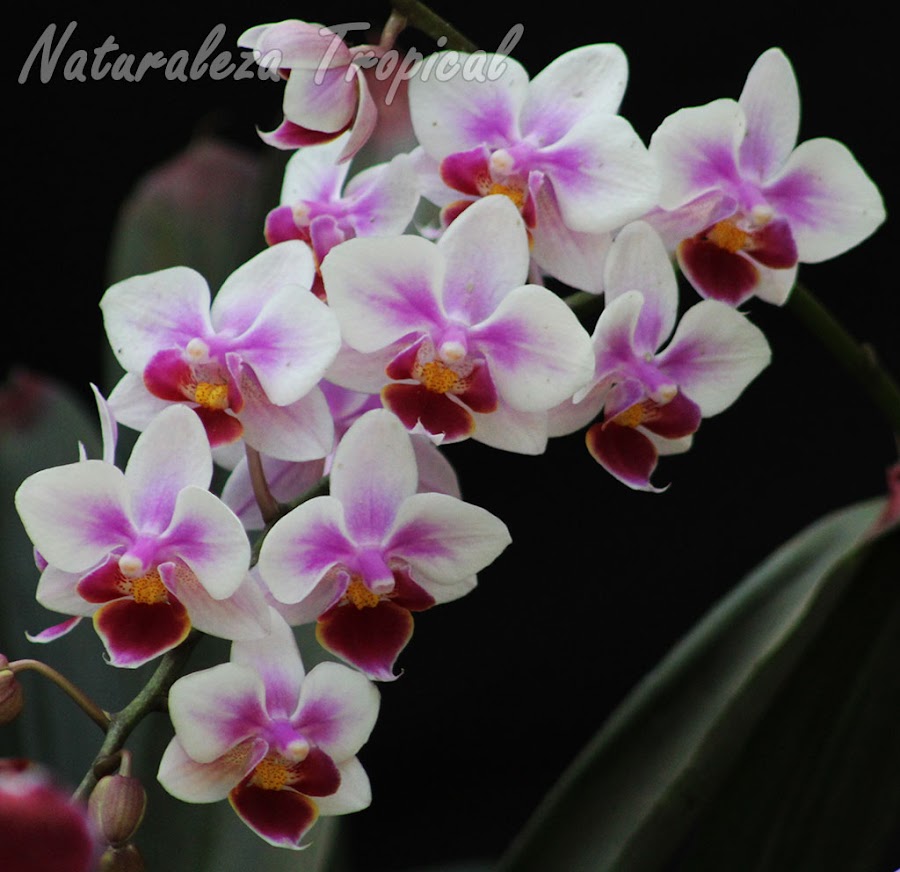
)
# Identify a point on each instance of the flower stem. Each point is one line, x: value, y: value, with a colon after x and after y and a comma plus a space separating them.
x: 859, y: 360
x: 78, y: 696
x: 418, y: 15
x: 151, y: 698
x: 268, y: 505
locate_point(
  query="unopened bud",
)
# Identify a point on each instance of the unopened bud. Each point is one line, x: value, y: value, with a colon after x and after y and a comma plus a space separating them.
x: 11, y: 697
x: 124, y: 859
x: 117, y: 806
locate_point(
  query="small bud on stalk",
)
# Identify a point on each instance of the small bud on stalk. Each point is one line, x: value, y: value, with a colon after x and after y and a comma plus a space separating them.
x: 12, y: 699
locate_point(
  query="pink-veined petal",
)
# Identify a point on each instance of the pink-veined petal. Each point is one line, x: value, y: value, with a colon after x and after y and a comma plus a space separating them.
x: 300, y: 549
x: 486, y: 252
x: 275, y: 659
x: 313, y: 174
x: 364, y: 119
x: 537, y: 352
x: 147, y: 313
x: 444, y: 539
x: 337, y: 709
x: 715, y: 353
x: 57, y: 631
x: 384, y: 198
x: 156, y: 473
x: 571, y: 256
x: 290, y: 136
x: 243, y: 615
x: 460, y: 112
x: 638, y: 262
x: 216, y: 709
x: 830, y: 202
x: 374, y: 471
x: 297, y: 45
x: 302, y: 430
x: 696, y: 150
x: 384, y: 289
x: 321, y: 99
x: 209, y: 538
x: 771, y: 104
x: 602, y: 174
x: 588, y: 80
x: 76, y: 514
x: 190, y: 781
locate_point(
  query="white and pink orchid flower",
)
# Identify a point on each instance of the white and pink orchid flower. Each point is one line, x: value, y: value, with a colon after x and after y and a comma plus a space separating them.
x: 325, y: 93
x: 248, y: 366
x: 379, y: 201
x: 361, y: 560
x: 554, y: 146
x: 148, y: 552
x: 279, y: 743
x: 452, y: 336
x: 741, y: 205
x: 652, y: 400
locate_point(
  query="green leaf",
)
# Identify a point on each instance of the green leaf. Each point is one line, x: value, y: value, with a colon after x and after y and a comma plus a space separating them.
x: 763, y: 741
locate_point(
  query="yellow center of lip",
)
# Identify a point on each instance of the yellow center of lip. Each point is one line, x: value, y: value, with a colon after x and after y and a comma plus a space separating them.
x: 270, y: 774
x: 517, y: 195
x: 438, y: 377
x: 149, y: 589
x: 633, y: 416
x: 211, y: 396
x: 727, y: 235
x: 361, y: 596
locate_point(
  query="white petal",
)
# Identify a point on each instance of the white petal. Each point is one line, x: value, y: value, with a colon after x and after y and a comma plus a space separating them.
x: 337, y: 710
x: 771, y: 104
x: 696, y: 149
x: 445, y: 540
x: 148, y: 313
x: 374, y: 471
x: 715, y: 353
x: 76, y: 514
x: 156, y: 473
x: 216, y: 709
x: 537, y: 352
x: 354, y: 794
x: 452, y: 113
x: 190, y: 781
x: 588, y: 80
x: 383, y: 289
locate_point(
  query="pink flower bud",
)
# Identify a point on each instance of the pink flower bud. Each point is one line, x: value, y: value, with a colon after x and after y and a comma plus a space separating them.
x: 117, y: 806
x: 11, y: 697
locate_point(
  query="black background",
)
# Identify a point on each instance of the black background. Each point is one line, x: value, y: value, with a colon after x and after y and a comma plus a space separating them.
x: 503, y: 687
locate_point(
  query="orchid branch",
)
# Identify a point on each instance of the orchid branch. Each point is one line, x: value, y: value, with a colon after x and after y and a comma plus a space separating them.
x: 418, y: 15
x: 152, y: 697
x: 857, y: 359
x: 78, y: 696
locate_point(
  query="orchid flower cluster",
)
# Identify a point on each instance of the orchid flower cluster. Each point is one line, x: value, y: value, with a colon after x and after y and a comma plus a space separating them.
x: 327, y: 373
